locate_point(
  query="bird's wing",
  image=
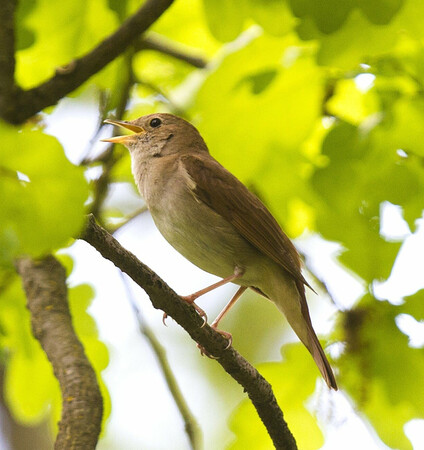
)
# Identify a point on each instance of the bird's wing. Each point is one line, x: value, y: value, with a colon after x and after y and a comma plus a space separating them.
x: 226, y: 195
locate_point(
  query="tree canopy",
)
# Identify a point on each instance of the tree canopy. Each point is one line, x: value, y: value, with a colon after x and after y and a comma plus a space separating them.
x: 318, y: 107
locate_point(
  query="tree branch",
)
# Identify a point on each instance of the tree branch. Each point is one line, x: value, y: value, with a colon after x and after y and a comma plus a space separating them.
x: 82, y: 405
x: 27, y: 103
x: 164, y: 298
x: 8, y: 90
x: 154, y: 42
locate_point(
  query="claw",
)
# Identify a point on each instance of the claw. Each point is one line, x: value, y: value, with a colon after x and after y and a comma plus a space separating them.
x: 199, y: 310
x: 203, y: 352
x: 202, y: 314
x: 224, y: 334
x: 227, y: 336
x: 164, y: 317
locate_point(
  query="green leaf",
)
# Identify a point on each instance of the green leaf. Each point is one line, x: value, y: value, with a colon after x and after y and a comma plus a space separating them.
x: 351, y: 105
x: 380, y: 371
x: 380, y: 12
x: 259, y: 81
x: 120, y: 7
x: 328, y: 15
x: 236, y: 131
x: 293, y: 382
x: 31, y: 398
x: 28, y: 397
x: 43, y: 194
x: 225, y: 19
x: 406, y: 174
x: 355, y: 42
x: 62, y: 33
x: 187, y: 24
x: 24, y: 36
x: 359, y: 41
x: 352, y: 190
x: 274, y: 16
x: 408, y: 120
x: 414, y: 305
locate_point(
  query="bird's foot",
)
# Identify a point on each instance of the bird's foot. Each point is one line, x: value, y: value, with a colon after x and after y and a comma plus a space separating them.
x: 199, y: 310
x: 224, y: 334
x: 190, y: 300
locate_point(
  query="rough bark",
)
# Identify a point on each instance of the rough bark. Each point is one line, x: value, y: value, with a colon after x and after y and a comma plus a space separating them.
x: 82, y: 405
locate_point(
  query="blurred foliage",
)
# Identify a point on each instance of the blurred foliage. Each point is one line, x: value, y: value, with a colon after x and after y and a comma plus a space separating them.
x: 32, y: 398
x: 297, y: 365
x: 317, y: 106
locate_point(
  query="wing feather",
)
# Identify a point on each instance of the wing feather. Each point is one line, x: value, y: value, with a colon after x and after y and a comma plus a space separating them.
x: 225, y: 194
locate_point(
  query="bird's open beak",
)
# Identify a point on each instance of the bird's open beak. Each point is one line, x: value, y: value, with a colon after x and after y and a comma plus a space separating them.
x: 129, y: 126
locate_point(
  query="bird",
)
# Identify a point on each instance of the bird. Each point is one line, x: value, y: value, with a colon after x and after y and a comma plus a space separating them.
x: 214, y: 221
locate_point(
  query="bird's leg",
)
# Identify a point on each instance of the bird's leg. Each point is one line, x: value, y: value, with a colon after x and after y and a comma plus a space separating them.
x: 215, y: 323
x: 192, y: 297
x: 227, y: 307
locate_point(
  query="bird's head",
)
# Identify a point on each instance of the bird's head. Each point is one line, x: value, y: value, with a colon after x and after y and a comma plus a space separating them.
x: 158, y: 135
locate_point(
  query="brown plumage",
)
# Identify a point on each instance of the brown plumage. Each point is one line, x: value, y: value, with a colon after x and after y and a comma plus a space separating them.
x: 211, y: 218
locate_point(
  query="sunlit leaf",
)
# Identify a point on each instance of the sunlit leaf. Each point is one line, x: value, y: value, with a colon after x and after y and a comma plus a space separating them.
x: 42, y: 193
x: 225, y: 19
x: 352, y: 105
x: 378, y: 11
x: 255, y: 124
x: 329, y: 15
x: 24, y: 35
x: 31, y: 398
x: 414, y: 305
x: 273, y: 15
x: 62, y: 33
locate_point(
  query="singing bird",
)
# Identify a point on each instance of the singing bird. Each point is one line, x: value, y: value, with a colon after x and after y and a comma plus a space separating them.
x: 214, y: 221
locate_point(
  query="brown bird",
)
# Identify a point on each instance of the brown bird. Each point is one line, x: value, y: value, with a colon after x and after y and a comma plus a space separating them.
x: 213, y: 220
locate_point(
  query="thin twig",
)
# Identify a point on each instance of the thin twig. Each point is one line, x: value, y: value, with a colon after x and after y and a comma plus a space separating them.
x: 162, y: 45
x: 164, y: 298
x: 191, y: 426
x: 110, y: 157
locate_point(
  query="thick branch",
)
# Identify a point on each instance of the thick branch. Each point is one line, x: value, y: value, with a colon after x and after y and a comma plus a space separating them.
x: 70, y: 77
x: 45, y: 286
x: 164, y: 298
x: 7, y: 54
x: 153, y: 42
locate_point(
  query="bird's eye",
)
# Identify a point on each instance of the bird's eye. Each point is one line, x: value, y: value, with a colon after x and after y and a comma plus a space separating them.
x: 154, y: 123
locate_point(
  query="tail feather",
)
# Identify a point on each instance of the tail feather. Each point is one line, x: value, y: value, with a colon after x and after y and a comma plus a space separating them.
x: 313, y: 344
x: 321, y: 360
x: 289, y: 297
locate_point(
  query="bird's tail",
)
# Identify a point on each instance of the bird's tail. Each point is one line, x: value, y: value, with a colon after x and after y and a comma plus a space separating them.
x: 320, y: 359
x: 311, y: 342
x: 290, y: 299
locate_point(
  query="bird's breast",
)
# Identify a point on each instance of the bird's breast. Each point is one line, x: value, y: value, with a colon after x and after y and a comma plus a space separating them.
x: 196, y: 231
